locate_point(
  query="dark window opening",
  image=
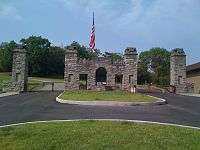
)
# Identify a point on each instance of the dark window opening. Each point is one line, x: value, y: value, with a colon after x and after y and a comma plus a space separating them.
x: 118, y: 79
x: 83, y: 81
x: 83, y: 77
x: 101, y: 75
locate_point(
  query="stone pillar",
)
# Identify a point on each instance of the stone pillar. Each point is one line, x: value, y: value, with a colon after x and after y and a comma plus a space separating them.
x: 19, y: 70
x: 71, y: 72
x: 178, y: 70
x: 130, y: 69
x: 91, y: 79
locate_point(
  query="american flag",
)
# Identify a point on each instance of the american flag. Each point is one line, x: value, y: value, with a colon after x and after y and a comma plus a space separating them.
x: 92, y: 36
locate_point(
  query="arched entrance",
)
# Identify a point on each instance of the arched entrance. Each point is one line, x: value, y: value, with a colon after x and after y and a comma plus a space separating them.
x: 101, y: 75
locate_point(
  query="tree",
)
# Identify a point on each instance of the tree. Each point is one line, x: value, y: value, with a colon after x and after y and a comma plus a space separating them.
x: 55, y: 61
x: 6, y: 56
x: 113, y: 56
x: 43, y: 58
x: 86, y: 53
x: 154, y: 66
x: 38, y: 52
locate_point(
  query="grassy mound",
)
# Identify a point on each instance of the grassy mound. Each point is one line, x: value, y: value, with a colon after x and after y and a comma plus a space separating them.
x: 106, y: 96
x: 98, y: 135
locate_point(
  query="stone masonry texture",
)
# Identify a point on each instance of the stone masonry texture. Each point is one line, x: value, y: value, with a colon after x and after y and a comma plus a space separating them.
x: 99, y: 73
x: 19, y: 70
x: 178, y: 70
x: 125, y: 68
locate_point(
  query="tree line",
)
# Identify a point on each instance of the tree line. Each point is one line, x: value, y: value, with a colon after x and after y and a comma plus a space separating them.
x: 47, y: 60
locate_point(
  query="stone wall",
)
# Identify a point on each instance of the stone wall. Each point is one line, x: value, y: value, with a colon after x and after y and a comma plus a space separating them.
x: 19, y: 70
x: 178, y: 70
x: 130, y: 68
x: 194, y: 78
x: 71, y: 71
x: 125, y: 68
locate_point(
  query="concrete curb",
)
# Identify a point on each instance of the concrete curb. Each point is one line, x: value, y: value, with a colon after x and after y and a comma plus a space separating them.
x: 111, y: 103
x: 8, y: 94
x: 113, y: 120
x: 189, y: 94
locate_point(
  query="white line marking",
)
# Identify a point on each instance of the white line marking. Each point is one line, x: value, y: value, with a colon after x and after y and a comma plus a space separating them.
x: 116, y: 120
x: 109, y: 103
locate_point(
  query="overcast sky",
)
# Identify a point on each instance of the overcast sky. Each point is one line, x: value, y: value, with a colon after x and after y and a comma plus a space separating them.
x: 119, y: 23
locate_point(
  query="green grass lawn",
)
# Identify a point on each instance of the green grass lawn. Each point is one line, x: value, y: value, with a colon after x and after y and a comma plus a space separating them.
x: 48, y: 79
x: 122, y: 96
x: 98, y: 135
x: 32, y: 84
x: 4, y: 77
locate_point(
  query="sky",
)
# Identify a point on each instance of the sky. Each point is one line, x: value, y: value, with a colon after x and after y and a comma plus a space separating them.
x: 119, y: 23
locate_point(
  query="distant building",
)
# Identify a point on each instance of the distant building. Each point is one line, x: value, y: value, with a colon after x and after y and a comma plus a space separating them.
x: 193, y: 76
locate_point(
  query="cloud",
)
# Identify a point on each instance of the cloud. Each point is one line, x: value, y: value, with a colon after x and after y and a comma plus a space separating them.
x: 144, y: 23
x: 9, y: 11
x: 126, y: 13
x: 105, y: 10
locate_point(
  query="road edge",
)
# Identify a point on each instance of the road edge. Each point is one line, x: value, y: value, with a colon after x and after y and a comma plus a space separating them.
x: 111, y: 103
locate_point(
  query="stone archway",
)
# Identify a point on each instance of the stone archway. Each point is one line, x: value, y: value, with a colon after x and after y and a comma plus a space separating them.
x: 101, y: 75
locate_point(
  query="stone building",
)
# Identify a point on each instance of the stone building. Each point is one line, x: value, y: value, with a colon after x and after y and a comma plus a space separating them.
x: 178, y: 70
x: 101, y: 73
x: 193, y: 77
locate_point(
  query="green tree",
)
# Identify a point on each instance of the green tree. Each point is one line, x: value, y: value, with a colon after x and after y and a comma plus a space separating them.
x: 113, y: 56
x: 38, y: 52
x: 55, y: 61
x: 154, y: 66
x: 86, y: 53
x: 6, y: 56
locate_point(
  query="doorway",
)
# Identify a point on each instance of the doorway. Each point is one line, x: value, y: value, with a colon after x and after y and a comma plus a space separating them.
x: 83, y: 81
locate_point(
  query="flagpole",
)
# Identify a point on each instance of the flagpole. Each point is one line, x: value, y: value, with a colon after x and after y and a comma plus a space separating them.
x: 92, y: 35
x: 93, y: 17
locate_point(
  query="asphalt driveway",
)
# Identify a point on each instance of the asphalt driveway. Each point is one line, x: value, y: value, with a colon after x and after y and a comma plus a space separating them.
x: 41, y: 106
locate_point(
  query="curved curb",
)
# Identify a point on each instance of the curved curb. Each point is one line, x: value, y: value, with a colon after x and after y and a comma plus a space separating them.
x: 111, y: 103
x: 9, y: 94
x: 189, y: 94
x: 113, y: 120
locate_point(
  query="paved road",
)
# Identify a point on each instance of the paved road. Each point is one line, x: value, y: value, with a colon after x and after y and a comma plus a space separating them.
x: 57, y: 87
x: 58, y: 84
x: 39, y: 106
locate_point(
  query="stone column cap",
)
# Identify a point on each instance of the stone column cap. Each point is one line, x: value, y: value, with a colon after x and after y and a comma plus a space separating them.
x: 178, y: 52
x: 71, y: 48
x: 20, y: 48
x: 131, y: 51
